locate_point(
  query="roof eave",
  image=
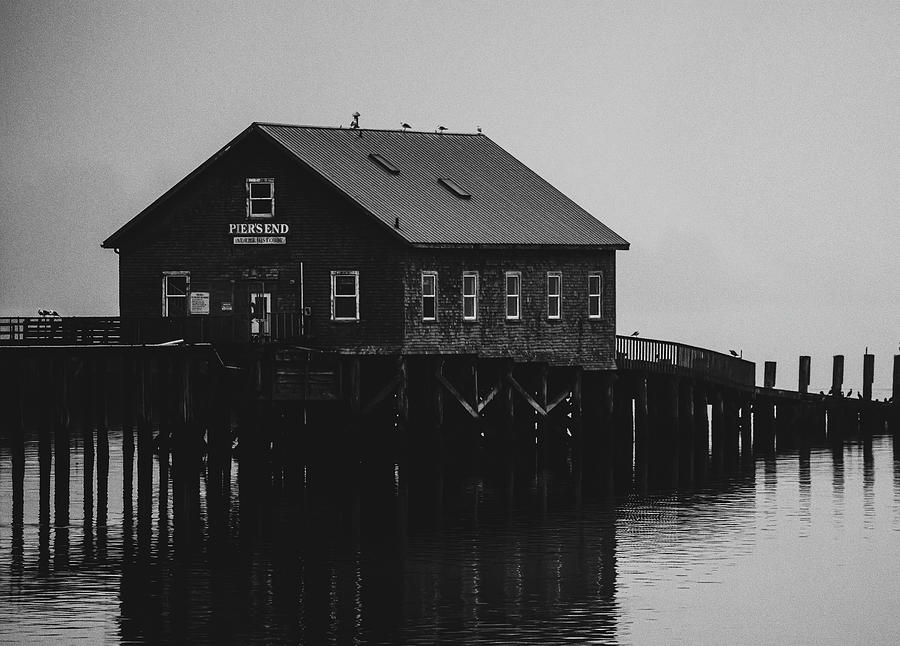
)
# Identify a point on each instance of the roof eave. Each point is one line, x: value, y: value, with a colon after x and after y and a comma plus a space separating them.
x: 624, y: 246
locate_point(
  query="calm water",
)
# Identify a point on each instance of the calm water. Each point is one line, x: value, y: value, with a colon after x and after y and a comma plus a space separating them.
x: 788, y: 549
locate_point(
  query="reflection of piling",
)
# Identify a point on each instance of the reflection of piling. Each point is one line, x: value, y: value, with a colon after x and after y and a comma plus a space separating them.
x: 99, y: 377
x: 145, y: 453
x: 87, y: 393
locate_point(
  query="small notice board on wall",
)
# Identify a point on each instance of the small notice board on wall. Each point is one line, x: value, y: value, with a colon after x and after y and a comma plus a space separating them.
x: 199, y: 302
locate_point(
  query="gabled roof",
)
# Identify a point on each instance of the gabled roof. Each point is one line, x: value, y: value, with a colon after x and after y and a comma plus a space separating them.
x: 445, y: 189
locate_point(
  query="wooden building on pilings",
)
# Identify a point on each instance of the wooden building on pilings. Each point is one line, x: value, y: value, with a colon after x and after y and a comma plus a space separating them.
x: 332, y: 262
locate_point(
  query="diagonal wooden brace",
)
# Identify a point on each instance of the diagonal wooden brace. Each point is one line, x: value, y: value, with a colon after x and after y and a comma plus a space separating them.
x: 516, y: 385
x: 456, y: 395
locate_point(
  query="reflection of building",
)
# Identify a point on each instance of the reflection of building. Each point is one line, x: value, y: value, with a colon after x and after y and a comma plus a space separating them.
x: 376, y: 242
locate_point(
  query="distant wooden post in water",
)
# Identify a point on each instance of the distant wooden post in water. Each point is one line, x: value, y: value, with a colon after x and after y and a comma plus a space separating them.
x: 837, y: 375
x: 769, y: 375
x: 868, y: 375
x: 803, y: 378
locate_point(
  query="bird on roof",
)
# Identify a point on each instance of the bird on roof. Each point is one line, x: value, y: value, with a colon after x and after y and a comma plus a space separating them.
x: 635, y: 333
x: 478, y: 129
x: 441, y: 129
x: 355, y: 123
x: 54, y: 313
x: 405, y: 126
x: 733, y: 353
x: 849, y: 392
x: 43, y: 312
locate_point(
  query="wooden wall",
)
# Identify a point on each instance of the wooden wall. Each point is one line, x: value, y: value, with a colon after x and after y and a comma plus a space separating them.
x: 328, y: 232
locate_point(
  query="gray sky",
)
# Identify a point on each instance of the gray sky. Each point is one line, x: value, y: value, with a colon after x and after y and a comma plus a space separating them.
x: 748, y: 151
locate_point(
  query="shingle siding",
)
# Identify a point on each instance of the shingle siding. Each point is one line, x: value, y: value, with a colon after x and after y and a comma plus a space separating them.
x: 574, y: 339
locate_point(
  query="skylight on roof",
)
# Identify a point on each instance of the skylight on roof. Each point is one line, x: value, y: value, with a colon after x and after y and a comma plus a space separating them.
x: 455, y: 188
x: 384, y: 163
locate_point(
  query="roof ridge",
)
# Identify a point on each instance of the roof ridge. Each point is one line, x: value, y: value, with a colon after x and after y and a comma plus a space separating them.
x: 445, y: 133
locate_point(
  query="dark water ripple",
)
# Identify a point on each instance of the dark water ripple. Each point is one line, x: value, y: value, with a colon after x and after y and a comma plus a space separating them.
x: 794, y: 548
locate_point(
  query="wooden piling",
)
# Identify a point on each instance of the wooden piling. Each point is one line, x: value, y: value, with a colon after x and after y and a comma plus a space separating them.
x: 868, y: 376
x: 403, y: 398
x: 764, y: 425
x: 686, y: 431
x: 438, y: 399
x: 145, y: 453
x: 895, y: 405
x: 803, y: 377
x: 47, y: 420
x: 61, y: 444
x: 99, y: 378
x: 769, y: 375
x: 701, y: 432
x: 719, y: 430
x: 746, y: 429
x: 623, y: 428
x: 87, y: 394
x: 641, y: 420
x: 837, y: 376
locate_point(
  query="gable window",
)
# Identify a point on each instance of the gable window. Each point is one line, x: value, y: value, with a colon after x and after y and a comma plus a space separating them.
x: 554, y: 294
x: 595, y: 291
x: 345, y: 296
x: 470, y: 295
x: 429, y: 296
x: 260, y: 197
x: 513, y: 289
x: 175, y: 288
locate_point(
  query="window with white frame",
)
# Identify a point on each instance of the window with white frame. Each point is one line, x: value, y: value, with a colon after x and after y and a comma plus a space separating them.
x: 260, y: 197
x: 345, y: 296
x: 429, y: 296
x: 175, y: 289
x: 513, y: 295
x: 554, y: 294
x: 595, y: 291
x: 470, y: 295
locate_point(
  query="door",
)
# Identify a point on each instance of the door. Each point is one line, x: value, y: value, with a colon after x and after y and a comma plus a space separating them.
x: 260, y: 309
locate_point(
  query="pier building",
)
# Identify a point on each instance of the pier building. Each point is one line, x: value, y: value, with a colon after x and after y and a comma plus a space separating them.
x: 372, y: 242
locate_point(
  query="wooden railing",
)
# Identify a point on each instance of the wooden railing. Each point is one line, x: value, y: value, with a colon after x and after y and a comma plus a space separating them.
x: 666, y: 357
x: 92, y: 330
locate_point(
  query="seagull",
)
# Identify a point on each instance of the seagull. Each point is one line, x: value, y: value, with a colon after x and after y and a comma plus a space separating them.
x: 733, y: 353
x: 54, y: 313
x: 43, y: 312
x: 405, y: 126
x: 355, y: 123
x: 635, y: 333
x: 441, y: 129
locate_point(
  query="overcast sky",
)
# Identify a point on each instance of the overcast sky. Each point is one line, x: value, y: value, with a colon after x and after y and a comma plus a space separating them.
x: 750, y: 152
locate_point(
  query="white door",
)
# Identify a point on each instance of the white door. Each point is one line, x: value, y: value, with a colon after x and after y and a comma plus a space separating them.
x: 260, y: 309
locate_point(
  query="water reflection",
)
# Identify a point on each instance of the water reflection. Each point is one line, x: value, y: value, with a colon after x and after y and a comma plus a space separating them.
x: 269, y: 550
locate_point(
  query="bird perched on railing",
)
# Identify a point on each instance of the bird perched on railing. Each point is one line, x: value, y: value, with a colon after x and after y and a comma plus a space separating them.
x: 405, y: 126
